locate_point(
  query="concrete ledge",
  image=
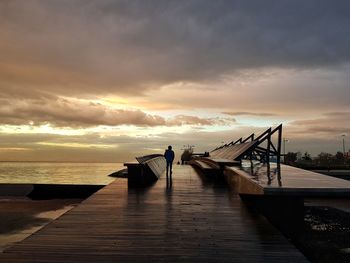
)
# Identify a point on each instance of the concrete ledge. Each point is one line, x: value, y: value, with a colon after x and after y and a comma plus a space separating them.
x: 293, y: 182
x: 48, y: 191
x: 15, y: 189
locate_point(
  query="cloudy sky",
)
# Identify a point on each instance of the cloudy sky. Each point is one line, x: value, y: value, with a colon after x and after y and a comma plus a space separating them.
x: 107, y: 80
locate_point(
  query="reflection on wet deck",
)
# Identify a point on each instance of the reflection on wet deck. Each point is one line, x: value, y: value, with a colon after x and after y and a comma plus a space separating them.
x: 191, y: 220
x: 287, y: 180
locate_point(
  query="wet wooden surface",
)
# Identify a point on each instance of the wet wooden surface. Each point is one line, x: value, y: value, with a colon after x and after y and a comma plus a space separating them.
x: 232, y: 152
x: 191, y: 221
x: 293, y: 182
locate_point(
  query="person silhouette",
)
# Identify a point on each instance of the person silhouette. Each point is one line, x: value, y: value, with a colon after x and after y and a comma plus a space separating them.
x: 169, y: 157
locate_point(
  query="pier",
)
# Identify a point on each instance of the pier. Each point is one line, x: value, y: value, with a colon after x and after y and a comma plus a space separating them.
x: 190, y: 220
x: 226, y: 207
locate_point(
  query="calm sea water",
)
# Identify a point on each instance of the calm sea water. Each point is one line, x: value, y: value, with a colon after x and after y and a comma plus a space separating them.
x: 57, y: 173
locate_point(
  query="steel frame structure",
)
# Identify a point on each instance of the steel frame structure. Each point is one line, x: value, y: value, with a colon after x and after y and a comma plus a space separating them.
x: 257, y: 151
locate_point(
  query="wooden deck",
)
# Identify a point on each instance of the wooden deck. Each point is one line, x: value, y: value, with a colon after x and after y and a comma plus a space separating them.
x: 193, y: 221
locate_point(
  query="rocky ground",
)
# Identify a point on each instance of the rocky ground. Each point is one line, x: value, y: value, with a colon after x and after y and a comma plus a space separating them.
x: 325, y: 235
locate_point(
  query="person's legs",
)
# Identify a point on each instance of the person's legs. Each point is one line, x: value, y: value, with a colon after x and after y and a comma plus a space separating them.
x: 167, y: 169
x: 171, y: 171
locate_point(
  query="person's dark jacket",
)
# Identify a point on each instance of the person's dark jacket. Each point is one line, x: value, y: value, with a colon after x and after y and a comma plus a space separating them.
x: 169, y: 156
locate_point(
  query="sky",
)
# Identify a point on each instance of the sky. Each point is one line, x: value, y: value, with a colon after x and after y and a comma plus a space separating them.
x: 108, y: 80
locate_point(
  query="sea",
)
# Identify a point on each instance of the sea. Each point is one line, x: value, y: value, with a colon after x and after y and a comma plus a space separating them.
x: 57, y: 173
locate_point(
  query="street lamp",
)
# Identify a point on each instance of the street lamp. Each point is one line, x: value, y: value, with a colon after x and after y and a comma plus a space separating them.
x: 285, y: 140
x: 343, y: 135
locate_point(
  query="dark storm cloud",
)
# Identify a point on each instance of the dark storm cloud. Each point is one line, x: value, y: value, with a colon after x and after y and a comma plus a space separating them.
x: 330, y: 125
x: 129, y: 46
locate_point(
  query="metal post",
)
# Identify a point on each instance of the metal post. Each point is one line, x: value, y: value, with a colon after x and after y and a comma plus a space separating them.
x: 268, y: 157
x: 284, y: 149
x: 343, y: 135
x: 279, y: 145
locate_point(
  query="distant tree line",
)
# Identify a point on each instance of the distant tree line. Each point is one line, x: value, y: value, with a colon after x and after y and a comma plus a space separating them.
x: 323, y: 160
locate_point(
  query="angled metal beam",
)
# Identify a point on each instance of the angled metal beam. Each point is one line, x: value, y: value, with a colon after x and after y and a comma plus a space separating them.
x: 261, y: 149
x: 273, y: 147
x: 263, y: 134
x: 238, y: 141
x: 250, y: 137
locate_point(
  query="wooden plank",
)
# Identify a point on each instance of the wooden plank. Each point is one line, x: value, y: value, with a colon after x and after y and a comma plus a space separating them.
x: 232, y: 152
x: 191, y: 221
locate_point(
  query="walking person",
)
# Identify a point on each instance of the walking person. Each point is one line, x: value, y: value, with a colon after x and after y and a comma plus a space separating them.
x: 169, y: 157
